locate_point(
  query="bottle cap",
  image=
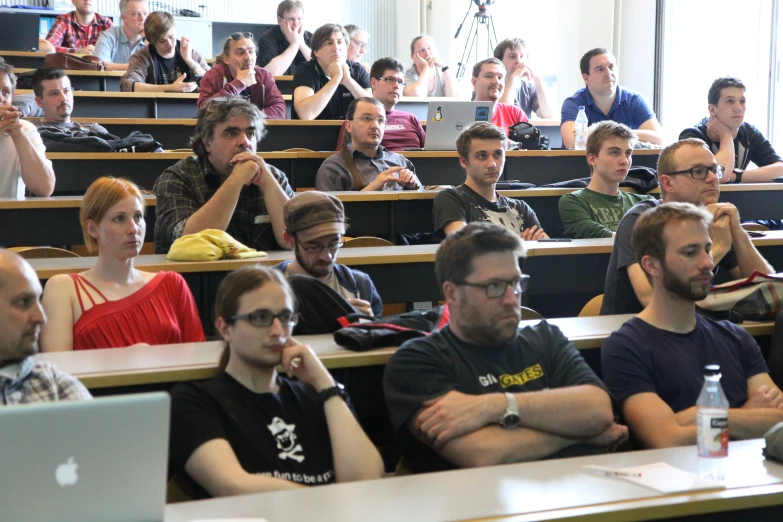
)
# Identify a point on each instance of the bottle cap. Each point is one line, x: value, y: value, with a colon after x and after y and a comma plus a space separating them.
x: 712, y: 370
x: 581, y: 107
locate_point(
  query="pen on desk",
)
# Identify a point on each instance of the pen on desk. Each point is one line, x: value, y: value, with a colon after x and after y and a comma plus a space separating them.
x: 611, y: 472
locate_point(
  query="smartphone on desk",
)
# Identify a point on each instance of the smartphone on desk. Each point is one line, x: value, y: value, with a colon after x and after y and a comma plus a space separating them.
x: 555, y: 240
x: 777, y: 180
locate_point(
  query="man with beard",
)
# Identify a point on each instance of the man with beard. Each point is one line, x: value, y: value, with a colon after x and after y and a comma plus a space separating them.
x: 226, y: 186
x: 654, y: 364
x: 688, y: 173
x: 482, y: 392
x: 482, y: 153
x: 314, y: 229
x: 488, y: 82
x: 236, y: 74
x: 54, y: 95
x: 23, y: 380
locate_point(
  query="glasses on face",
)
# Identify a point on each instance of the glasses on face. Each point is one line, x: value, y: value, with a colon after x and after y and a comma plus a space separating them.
x: 392, y: 79
x: 263, y: 318
x: 369, y: 119
x: 360, y: 45
x: 239, y: 36
x: 498, y: 287
x: 332, y: 247
x: 700, y: 171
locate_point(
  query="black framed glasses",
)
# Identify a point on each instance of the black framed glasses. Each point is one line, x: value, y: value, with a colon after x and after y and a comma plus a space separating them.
x: 392, y: 79
x: 332, y: 247
x: 497, y: 288
x: 263, y: 318
x: 700, y: 171
x: 239, y: 36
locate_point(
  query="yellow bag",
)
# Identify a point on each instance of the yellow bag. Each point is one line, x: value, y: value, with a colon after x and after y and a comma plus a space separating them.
x: 210, y: 245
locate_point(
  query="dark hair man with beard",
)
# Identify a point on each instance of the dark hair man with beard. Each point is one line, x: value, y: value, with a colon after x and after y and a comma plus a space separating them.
x: 482, y: 391
x: 314, y: 229
x: 654, y: 364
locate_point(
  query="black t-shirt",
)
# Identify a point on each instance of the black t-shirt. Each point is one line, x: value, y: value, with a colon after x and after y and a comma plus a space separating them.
x: 749, y: 145
x: 272, y: 43
x: 619, y: 295
x: 464, y: 204
x: 168, y: 73
x: 309, y: 74
x: 539, y: 358
x: 282, y: 435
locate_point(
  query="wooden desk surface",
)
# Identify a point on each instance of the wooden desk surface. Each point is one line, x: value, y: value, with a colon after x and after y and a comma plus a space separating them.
x: 192, y: 361
x: 546, y: 490
x: 72, y: 72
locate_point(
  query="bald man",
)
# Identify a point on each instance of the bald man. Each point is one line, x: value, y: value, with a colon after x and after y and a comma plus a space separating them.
x: 23, y: 380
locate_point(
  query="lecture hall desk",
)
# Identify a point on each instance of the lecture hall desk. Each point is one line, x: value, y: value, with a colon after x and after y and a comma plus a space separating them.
x: 145, y: 365
x: 564, y: 276
x: 546, y: 490
x: 75, y: 171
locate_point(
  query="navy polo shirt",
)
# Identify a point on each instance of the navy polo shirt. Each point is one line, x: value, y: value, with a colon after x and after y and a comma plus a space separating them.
x: 629, y: 108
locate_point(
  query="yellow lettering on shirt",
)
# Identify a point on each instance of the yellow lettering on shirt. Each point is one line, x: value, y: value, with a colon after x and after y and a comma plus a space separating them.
x: 528, y: 374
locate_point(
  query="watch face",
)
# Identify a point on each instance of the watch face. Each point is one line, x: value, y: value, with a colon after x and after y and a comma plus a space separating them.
x: 510, y: 420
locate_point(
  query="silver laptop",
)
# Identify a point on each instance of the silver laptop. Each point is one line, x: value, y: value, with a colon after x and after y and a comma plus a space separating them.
x: 447, y: 119
x: 103, y: 460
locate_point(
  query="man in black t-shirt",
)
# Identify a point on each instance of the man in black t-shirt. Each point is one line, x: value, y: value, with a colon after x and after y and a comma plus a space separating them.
x: 250, y: 430
x: 654, y: 364
x: 325, y: 86
x: 481, y: 391
x: 482, y: 153
x: 283, y: 48
x: 687, y: 173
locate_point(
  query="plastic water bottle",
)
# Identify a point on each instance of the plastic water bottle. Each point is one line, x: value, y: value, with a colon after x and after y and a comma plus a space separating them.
x: 581, y: 129
x: 393, y: 184
x: 712, y: 425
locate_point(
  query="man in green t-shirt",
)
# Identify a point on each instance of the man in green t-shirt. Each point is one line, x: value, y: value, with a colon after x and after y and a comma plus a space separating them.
x: 597, y: 210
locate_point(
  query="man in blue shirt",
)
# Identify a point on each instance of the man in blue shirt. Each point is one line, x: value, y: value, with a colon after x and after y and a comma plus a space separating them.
x: 603, y: 99
x: 116, y: 45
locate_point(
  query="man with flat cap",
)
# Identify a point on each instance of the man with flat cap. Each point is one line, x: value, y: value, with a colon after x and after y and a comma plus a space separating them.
x: 314, y: 228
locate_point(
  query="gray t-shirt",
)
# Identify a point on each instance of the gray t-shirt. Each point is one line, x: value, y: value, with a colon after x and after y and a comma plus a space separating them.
x: 464, y: 204
x: 412, y: 75
x: 334, y: 175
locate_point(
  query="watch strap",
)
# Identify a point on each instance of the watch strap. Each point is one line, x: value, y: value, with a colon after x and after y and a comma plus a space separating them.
x: 328, y: 393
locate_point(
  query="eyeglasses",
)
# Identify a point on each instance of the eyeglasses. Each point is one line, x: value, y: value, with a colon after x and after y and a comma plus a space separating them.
x: 263, y: 318
x: 239, y: 36
x: 332, y: 247
x: 497, y: 288
x: 392, y: 79
x: 700, y: 171
x: 369, y: 119
x: 360, y: 45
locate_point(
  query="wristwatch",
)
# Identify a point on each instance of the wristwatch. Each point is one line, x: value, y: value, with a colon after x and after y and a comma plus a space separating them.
x: 510, y: 419
x: 328, y: 393
x: 738, y: 175
x: 444, y: 68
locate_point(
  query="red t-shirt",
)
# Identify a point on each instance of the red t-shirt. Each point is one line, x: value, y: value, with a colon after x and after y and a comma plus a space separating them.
x: 161, y: 312
x: 506, y: 115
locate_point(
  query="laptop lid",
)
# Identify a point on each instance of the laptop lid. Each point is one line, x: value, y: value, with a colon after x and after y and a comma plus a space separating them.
x: 447, y: 119
x: 19, y: 32
x: 103, y: 460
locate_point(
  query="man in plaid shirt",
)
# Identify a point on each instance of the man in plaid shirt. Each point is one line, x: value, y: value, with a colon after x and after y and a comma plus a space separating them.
x: 77, y: 31
x: 226, y: 186
x: 23, y: 379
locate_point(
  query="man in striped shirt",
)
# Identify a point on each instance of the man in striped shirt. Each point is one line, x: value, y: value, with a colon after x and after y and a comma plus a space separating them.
x: 77, y: 31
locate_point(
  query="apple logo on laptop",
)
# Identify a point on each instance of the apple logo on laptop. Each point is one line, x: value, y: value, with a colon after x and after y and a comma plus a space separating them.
x: 66, y: 473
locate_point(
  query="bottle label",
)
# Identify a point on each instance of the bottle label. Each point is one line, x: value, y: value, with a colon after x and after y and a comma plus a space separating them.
x: 712, y: 433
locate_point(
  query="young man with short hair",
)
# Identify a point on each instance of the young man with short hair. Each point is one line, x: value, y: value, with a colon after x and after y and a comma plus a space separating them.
x: 654, y: 364
x: 482, y: 391
x: 687, y: 173
x: 116, y: 45
x: 488, y: 84
x: 524, y: 87
x: 482, y: 153
x: 325, y: 86
x: 604, y: 99
x: 77, y: 31
x: 54, y: 95
x: 365, y: 164
x: 235, y: 73
x: 286, y: 46
x: 596, y: 211
x: 735, y: 142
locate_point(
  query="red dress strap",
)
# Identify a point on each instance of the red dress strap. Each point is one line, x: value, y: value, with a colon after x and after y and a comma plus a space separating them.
x: 81, y: 284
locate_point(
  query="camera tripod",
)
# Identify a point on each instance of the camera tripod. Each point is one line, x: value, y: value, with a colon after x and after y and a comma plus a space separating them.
x: 481, y: 18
